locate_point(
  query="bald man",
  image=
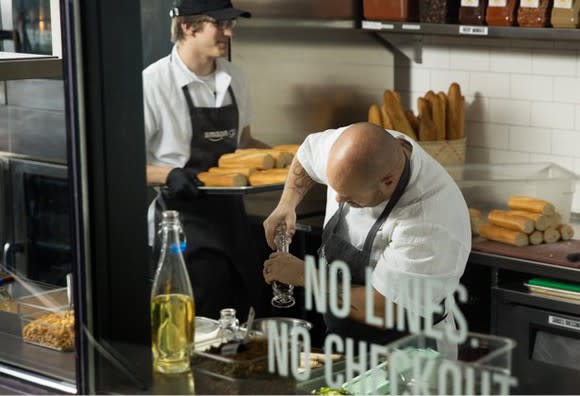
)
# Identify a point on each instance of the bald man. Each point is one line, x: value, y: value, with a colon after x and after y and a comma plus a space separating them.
x: 389, y: 206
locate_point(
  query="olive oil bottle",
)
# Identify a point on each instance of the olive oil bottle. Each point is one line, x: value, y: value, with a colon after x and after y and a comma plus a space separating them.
x: 172, y: 302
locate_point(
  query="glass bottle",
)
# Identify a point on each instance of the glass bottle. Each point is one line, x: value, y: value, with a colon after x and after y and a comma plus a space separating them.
x: 229, y: 325
x: 172, y: 303
x: 501, y: 12
x: 283, y: 293
x: 566, y: 14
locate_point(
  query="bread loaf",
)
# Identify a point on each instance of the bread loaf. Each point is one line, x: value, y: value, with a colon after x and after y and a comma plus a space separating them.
x: 223, y: 180
x: 536, y: 237
x: 541, y: 221
x: 244, y: 171
x: 413, y: 120
x: 438, y: 116
x: 281, y: 158
x: 268, y: 177
x: 513, y: 222
x: 554, y: 220
x: 375, y: 115
x: 454, y: 116
x: 566, y: 231
x: 476, y: 220
x: 387, y: 122
x: 551, y: 235
x: 397, y: 115
x: 503, y: 235
x: 291, y: 148
x: 246, y: 160
x: 427, y: 128
x: 519, y: 202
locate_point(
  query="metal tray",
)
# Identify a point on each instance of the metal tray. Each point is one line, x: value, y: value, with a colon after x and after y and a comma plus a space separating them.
x: 565, y: 294
x: 241, y: 190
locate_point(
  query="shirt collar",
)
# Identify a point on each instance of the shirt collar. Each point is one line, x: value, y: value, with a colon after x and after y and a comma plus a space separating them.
x: 184, y: 76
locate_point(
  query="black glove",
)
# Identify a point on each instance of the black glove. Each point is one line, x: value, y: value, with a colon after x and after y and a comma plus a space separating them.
x: 182, y: 183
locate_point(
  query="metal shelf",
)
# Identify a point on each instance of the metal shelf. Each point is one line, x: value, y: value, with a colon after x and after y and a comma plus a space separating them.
x: 472, y: 31
x: 299, y: 23
x: 30, y: 67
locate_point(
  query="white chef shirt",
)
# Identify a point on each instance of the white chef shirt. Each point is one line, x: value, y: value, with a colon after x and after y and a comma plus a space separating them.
x: 167, y: 121
x: 426, y: 236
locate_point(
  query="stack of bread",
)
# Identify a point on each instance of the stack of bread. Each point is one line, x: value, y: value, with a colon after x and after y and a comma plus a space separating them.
x: 529, y: 221
x: 441, y: 116
x: 252, y: 166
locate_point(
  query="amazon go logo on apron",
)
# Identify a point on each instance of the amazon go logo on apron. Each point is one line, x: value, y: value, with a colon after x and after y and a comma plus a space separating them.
x: 216, y: 136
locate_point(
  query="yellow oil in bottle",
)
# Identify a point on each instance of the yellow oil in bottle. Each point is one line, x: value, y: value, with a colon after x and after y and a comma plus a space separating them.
x: 173, y: 327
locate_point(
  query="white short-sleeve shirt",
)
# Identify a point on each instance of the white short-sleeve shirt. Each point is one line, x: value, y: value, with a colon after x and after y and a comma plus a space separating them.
x: 426, y: 236
x: 167, y: 121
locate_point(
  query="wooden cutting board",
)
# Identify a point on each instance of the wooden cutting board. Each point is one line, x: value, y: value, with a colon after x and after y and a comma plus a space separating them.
x: 551, y: 253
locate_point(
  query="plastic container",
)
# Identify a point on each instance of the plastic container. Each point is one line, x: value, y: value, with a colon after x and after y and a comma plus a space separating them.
x: 391, y: 10
x: 534, y: 13
x: 502, y: 12
x: 565, y: 14
x: 438, y: 11
x: 43, y: 301
x: 245, y: 373
x: 489, y: 186
x: 472, y: 12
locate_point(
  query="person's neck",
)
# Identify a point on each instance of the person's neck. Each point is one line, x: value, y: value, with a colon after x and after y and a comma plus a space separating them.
x: 198, y: 64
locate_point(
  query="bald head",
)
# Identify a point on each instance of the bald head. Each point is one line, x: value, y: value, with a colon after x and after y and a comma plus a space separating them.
x: 362, y: 158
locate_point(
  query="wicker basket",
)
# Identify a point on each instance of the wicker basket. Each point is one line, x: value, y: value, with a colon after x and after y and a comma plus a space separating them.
x: 446, y: 152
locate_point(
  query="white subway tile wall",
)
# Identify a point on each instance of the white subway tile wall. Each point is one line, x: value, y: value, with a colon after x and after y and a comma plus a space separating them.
x: 523, y: 97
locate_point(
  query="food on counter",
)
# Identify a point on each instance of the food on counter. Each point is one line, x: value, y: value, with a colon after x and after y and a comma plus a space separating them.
x: 271, y: 176
x: 541, y: 221
x: 554, y: 220
x: 504, y: 235
x: 292, y: 148
x: 566, y: 231
x: 325, y: 390
x: 247, y: 160
x: 504, y: 219
x: 536, y: 237
x: 210, y: 179
x: 476, y: 220
x: 53, y: 330
x: 519, y: 202
x: 281, y: 158
x: 244, y: 171
x: 551, y: 235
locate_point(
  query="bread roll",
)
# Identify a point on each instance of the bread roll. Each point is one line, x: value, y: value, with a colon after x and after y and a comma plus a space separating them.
x: 268, y: 177
x: 566, y: 231
x: 387, y: 122
x: 529, y: 204
x: 246, y: 160
x: 554, y: 220
x: 223, y: 180
x: 476, y: 220
x: 375, y: 115
x: 427, y: 128
x: 503, y: 235
x: 536, y: 237
x: 244, y: 171
x: 541, y: 221
x: 413, y: 120
x: 551, y: 235
x: 454, y: 117
x: 397, y: 115
x: 291, y: 148
x: 282, y: 158
x: 438, y: 116
x: 513, y: 222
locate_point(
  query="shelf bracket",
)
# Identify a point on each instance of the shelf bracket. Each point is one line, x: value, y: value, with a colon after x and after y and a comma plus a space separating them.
x: 408, y: 45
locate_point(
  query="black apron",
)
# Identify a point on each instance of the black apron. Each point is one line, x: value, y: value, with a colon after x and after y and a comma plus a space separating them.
x: 223, y: 271
x: 334, y: 247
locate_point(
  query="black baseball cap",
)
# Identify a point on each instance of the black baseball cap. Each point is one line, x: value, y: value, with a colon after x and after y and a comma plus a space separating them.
x: 218, y: 9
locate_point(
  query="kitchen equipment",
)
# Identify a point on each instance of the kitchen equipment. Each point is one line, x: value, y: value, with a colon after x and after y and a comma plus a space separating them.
x: 283, y: 293
x: 261, y: 324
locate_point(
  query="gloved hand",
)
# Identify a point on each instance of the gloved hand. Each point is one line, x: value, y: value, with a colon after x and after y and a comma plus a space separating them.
x: 182, y: 183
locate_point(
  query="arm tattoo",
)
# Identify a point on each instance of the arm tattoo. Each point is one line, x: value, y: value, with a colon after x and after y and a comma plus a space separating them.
x: 302, y: 181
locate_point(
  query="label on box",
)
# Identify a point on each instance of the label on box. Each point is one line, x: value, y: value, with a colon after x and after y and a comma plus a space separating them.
x: 530, y: 3
x: 564, y: 322
x: 566, y: 4
x: 469, y: 3
x: 497, y: 3
x: 407, y: 26
x: 476, y: 30
x: 371, y: 25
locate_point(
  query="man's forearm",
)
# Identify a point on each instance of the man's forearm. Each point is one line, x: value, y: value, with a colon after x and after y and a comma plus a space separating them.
x: 297, y: 185
x: 157, y: 175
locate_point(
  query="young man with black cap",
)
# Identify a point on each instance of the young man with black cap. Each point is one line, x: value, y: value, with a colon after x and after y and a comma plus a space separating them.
x: 197, y: 107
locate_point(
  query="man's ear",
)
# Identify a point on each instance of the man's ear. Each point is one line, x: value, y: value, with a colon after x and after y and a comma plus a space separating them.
x: 186, y: 29
x: 388, y: 180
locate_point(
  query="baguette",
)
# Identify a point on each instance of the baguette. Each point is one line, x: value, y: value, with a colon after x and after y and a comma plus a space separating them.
x: 427, y: 128
x: 291, y: 148
x: 375, y: 115
x: 551, y: 235
x: 244, y: 171
x: 454, y: 110
x: 541, y: 221
x: 387, y: 122
x: 554, y: 220
x: 519, y: 202
x: 513, y: 222
x: 282, y: 158
x: 223, y: 180
x: 536, y: 237
x: 246, y: 160
x: 397, y: 115
x: 267, y: 177
x: 413, y: 120
x: 503, y: 235
x: 476, y: 220
x: 438, y: 116
x: 566, y: 231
